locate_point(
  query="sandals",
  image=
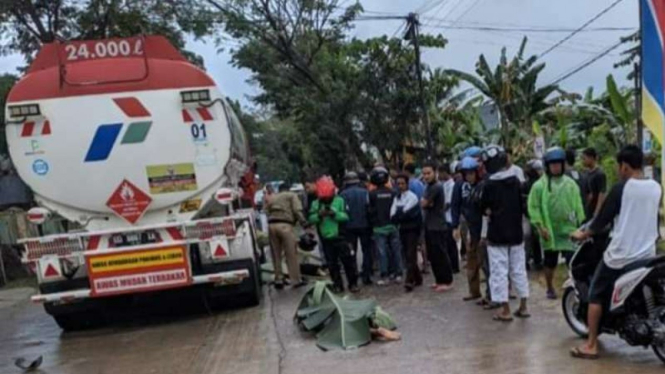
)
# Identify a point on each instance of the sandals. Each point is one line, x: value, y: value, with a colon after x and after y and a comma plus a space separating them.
x: 500, y: 318
x: 578, y: 353
x: 522, y: 314
x: 491, y: 306
x: 471, y: 297
x: 551, y: 294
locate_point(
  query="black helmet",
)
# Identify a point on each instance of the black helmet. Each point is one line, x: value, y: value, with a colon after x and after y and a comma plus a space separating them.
x: 307, y: 242
x: 494, y: 158
x: 379, y: 176
x: 351, y: 178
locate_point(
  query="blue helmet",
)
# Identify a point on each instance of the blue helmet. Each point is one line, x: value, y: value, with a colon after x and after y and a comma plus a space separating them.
x: 469, y: 164
x: 473, y: 151
x: 554, y: 154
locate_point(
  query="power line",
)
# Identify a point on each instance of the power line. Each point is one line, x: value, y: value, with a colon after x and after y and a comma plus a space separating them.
x: 429, y: 5
x: 527, y: 29
x: 466, y: 11
x: 587, y: 23
x: 585, y: 64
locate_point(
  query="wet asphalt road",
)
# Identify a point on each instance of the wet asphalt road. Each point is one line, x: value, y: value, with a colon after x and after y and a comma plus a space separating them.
x: 440, y: 334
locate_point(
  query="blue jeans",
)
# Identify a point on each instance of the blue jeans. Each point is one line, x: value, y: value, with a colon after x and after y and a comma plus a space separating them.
x: 390, y: 254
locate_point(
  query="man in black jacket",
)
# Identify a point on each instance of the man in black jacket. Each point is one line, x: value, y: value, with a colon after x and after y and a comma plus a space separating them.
x: 385, y: 232
x: 502, y: 203
x: 357, y: 199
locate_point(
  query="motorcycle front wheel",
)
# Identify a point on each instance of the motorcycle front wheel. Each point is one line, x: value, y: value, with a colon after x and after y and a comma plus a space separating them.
x: 570, y: 304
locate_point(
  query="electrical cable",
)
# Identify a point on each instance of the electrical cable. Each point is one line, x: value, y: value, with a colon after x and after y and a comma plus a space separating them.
x: 582, y: 66
x: 587, y: 23
x: 469, y: 9
x: 527, y: 29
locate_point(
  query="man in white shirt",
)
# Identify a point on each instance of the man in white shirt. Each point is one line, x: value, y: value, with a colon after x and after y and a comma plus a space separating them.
x: 448, y: 183
x: 632, y: 206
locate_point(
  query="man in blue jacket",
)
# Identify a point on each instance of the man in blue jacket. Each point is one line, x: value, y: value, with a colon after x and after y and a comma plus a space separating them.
x: 356, y: 197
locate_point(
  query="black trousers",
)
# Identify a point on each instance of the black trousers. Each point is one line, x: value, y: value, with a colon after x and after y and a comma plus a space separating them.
x: 451, y: 248
x: 438, y: 257
x: 365, y: 236
x: 410, y: 239
x: 336, y: 251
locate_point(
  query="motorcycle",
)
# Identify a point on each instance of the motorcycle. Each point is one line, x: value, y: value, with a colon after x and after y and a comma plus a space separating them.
x: 636, y: 310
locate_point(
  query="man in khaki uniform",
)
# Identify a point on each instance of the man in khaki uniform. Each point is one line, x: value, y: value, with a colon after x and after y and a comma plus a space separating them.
x: 284, y: 210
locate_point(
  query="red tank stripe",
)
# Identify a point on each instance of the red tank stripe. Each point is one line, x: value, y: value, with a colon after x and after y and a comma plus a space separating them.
x: 186, y: 117
x: 204, y: 113
x: 28, y: 128
x: 46, y: 130
x: 132, y: 107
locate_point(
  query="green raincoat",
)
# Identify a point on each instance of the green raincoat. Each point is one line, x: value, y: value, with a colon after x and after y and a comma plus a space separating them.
x: 329, y: 225
x: 556, y: 207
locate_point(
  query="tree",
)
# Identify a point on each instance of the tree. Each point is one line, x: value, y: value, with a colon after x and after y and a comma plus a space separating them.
x: 27, y: 24
x: 631, y: 54
x: 512, y: 86
x: 341, y: 96
x: 6, y: 83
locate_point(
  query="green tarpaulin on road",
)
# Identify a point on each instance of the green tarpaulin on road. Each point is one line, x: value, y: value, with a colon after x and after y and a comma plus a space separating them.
x: 340, y: 322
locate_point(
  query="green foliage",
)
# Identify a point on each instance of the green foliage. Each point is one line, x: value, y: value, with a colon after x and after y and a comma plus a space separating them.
x: 26, y: 24
x: 342, y: 98
x: 6, y: 83
x: 513, y: 88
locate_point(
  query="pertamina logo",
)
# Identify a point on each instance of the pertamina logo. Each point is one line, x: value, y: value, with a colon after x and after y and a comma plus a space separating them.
x: 106, y: 135
x: 129, y: 202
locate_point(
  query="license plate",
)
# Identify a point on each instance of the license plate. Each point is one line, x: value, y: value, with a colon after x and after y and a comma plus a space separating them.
x: 135, y: 238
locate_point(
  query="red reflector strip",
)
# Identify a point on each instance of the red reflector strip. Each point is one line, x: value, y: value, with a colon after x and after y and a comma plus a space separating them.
x: 46, y: 130
x: 186, y: 117
x: 132, y: 107
x: 93, y: 242
x: 175, y: 233
x: 204, y: 113
x: 35, y: 217
x: 27, y: 130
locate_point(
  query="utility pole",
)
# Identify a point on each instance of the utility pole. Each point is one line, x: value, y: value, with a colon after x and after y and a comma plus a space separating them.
x: 413, y: 34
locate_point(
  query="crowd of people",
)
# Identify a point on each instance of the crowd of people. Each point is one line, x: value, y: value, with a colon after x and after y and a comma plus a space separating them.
x: 481, y: 212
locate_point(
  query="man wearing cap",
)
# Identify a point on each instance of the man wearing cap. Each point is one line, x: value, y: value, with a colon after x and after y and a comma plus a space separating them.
x: 356, y: 197
x: 284, y: 210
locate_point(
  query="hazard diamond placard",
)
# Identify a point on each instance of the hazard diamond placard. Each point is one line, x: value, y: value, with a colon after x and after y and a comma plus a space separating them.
x: 129, y: 202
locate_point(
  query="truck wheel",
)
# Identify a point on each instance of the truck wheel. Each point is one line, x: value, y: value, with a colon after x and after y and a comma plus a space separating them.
x: 253, y: 298
x: 76, y: 321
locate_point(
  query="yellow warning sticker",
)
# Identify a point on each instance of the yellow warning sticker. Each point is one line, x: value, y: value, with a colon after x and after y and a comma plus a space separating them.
x: 137, y: 260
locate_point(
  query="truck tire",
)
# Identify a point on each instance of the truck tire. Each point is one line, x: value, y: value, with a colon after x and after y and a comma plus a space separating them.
x: 253, y: 298
x: 77, y: 321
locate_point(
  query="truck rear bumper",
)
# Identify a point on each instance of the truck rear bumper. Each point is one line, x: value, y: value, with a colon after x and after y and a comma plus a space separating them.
x: 232, y: 277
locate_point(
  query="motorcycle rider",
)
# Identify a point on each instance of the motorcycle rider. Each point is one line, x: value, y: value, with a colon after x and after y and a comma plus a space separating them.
x: 633, y: 206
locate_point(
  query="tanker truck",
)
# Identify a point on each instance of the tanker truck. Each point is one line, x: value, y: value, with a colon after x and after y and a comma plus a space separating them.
x: 140, y: 150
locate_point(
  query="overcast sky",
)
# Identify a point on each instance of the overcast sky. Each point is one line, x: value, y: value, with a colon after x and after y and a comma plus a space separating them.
x: 465, y: 45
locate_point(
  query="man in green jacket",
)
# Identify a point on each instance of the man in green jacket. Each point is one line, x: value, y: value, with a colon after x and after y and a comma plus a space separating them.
x: 329, y: 215
x: 556, y: 210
